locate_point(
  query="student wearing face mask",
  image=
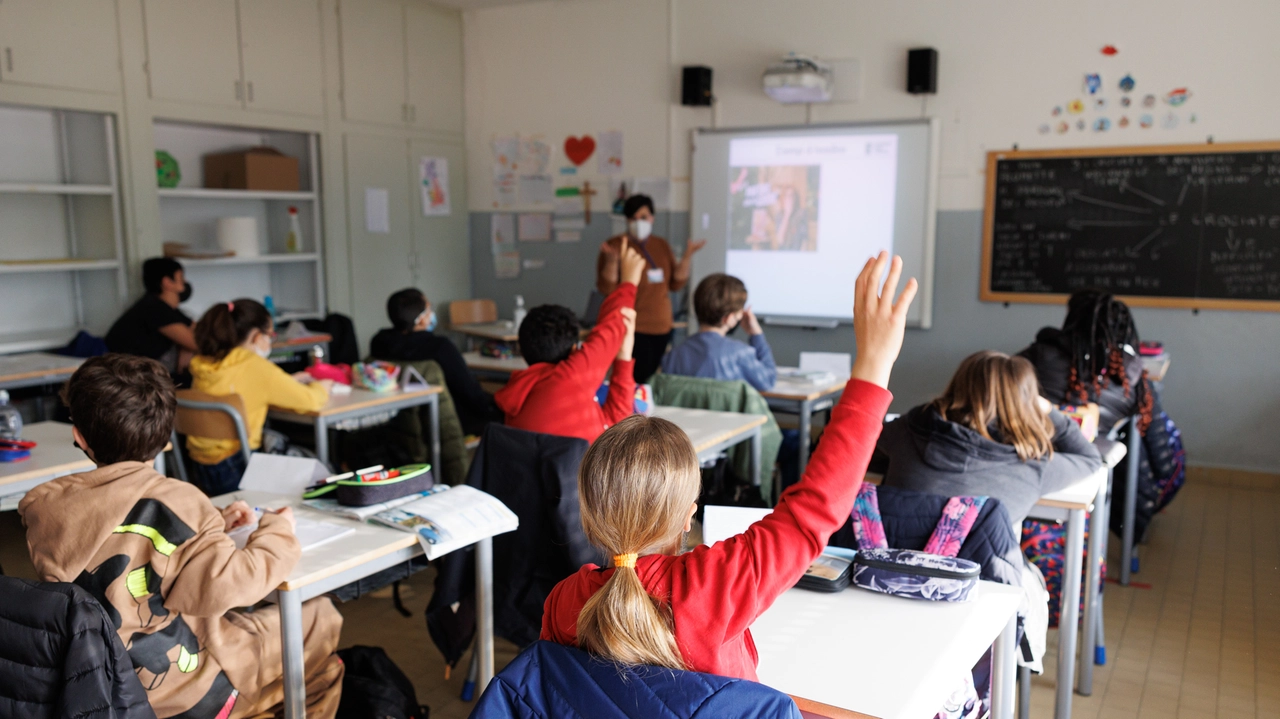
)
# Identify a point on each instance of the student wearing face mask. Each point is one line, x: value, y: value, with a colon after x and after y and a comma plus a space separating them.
x: 234, y: 341
x: 663, y: 275
x: 412, y: 338
x: 154, y: 327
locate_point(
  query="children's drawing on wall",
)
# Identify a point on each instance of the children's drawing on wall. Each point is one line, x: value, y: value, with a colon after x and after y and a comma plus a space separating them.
x: 1095, y: 88
x: 434, y: 173
x: 609, y: 153
x: 774, y: 208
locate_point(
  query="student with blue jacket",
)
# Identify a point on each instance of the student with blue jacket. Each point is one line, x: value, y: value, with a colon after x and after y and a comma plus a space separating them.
x: 720, y: 303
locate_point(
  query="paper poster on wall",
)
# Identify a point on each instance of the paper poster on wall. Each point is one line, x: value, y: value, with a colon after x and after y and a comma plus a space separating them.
x: 534, y: 156
x: 535, y: 190
x: 505, y: 150
x: 579, y: 149
x: 569, y: 222
x: 502, y: 233
x: 434, y: 174
x: 534, y: 227
x: 506, y: 265
x: 619, y: 189
x: 568, y: 206
x: 609, y: 152
x: 568, y: 235
x: 533, y: 264
x: 657, y: 188
x: 377, y: 210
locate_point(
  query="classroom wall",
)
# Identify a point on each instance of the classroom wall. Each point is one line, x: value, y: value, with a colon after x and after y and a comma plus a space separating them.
x: 582, y: 66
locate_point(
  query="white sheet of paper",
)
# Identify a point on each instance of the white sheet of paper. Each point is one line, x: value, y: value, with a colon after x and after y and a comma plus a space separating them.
x: 658, y: 188
x: 720, y: 523
x: 569, y: 222
x: 534, y: 226
x: 609, y: 152
x: 535, y: 190
x: 434, y: 175
x: 533, y: 263
x: 505, y: 151
x: 281, y: 474
x: 506, y: 265
x: 534, y: 156
x: 569, y: 206
x: 568, y: 235
x: 838, y: 363
x: 502, y: 232
x: 377, y: 210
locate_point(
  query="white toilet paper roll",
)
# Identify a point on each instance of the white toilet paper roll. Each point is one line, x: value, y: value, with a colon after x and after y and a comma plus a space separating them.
x: 239, y: 234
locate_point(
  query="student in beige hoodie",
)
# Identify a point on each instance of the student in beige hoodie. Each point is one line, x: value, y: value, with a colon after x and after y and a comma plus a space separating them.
x: 155, y: 553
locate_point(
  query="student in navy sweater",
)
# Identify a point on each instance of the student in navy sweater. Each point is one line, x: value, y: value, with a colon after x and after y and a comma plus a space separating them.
x: 411, y: 338
x: 720, y: 303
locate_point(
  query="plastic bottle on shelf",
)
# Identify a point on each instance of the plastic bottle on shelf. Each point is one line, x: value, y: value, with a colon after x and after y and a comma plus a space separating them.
x: 293, y: 242
x: 10, y: 418
x: 270, y: 305
x: 518, y: 314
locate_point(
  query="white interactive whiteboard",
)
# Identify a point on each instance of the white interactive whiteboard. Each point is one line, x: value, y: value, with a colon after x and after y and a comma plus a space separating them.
x: 795, y: 212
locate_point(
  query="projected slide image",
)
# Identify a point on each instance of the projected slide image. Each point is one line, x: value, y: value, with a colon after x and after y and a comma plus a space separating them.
x: 774, y: 208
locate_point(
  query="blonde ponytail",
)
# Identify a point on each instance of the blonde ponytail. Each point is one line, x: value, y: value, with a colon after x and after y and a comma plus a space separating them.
x: 637, y: 484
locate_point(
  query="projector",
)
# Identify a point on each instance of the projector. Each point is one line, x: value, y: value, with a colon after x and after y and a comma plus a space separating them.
x: 799, y: 79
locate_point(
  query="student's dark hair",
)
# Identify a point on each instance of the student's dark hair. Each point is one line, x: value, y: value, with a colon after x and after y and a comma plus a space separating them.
x: 548, y: 334
x: 404, y: 308
x: 227, y: 325
x: 718, y: 296
x: 123, y: 405
x: 156, y: 269
x: 634, y: 203
x: 1098, y: 327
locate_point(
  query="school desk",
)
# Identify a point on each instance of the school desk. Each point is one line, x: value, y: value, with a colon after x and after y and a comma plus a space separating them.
x: 498, y: 369
x: 369, y: 550
x: 890, y: 657
x: 800, y: 397
x: 35, y: 368
x: 362, y: 403
x: 713, y: 432
x: 501, y: 331
x: 53, y: 456
x: 285, y: 346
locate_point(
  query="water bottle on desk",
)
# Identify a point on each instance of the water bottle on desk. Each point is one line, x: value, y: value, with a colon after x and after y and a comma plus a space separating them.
x: 10, y: 418
x: 517, y: 316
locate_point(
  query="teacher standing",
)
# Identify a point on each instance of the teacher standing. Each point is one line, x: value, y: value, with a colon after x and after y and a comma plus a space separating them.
x: 663, y: 276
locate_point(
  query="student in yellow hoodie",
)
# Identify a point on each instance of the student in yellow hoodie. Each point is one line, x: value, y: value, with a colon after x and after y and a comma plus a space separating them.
x: 234, y: 339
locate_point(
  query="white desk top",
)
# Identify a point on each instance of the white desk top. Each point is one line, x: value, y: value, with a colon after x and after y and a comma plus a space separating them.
x: 53, y: 456
x: 475, y: 360
x: 368, y: 543
x: 1079, y: 495
x: 889, y: 657
x: 36, y: 364
x: 503, y: 330
x: 360, y: 399
x: 707, y: 428
x: 796, y: 389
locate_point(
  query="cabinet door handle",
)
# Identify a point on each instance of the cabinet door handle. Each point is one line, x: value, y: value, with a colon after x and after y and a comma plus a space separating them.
x: 239, y: 91
x: 251, y: 91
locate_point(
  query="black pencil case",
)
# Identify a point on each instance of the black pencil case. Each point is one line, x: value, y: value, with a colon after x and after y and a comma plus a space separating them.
x: 413, y: 479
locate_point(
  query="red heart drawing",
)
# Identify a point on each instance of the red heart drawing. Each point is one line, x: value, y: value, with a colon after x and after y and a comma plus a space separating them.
x: 579, y: 149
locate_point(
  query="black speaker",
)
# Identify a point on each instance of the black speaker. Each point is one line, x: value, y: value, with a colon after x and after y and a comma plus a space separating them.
x: 922, y: 71
x: 695, y: 86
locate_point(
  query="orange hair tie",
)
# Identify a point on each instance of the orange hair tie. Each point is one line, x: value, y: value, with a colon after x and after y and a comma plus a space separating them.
x: 625, y: 560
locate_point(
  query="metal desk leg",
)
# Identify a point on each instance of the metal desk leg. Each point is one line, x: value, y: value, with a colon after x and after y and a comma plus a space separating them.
x: 1100, y: 648
x: 806, y: 428
x: 434, y: 409
x: 322, y: 440
x: 1024, y: 693
x: 295, y: 687
x: 757, y: 450
x: 159, y: 462
x: 484, y: 610
x: 1093, y: 565
x: 1004, y: 669
x: 1127, y: 560
x: 1069, y: 614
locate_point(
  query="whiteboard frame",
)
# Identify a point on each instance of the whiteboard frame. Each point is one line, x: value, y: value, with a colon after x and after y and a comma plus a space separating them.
x: 985, y: 294
x: 924, y: 293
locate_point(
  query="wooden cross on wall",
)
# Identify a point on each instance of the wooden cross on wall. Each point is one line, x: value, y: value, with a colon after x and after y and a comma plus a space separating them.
x: 587, y: 193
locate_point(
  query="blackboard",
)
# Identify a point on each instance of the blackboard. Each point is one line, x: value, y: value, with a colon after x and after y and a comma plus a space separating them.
x: 1193, y: 226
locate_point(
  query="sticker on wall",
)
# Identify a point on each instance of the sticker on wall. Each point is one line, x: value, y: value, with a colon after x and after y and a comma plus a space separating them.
x: 1057, y: 110
x: 1109, y: 50
x: 1170, y: 121
x: 579, y: 149
x: 1127, y: 83
x: 1177, y: 97
x: 1123, y: 122
x: 1063, y: 127
x: 1149, y: 101
x: 1092, y: 83
x: 1125, y: 101
x: 1145, y: 121
x: 1080, y: 125
x: 1044, y: 129
x: 1192, y: 118
x: 1099, y: 103
x: 1102, y: 124
x: 1075, y: 107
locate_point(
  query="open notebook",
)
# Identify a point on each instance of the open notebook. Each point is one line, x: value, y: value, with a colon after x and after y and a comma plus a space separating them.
x: 311, y: 533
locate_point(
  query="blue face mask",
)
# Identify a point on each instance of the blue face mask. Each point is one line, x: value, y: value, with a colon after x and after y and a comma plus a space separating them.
x: 431, y: 322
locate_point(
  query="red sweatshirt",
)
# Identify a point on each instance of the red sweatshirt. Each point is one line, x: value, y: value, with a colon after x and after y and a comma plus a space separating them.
x: 560, y: 398
x: 717, y: 592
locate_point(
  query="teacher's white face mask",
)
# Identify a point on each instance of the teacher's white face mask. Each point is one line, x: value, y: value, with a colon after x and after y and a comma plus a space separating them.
x: 640, y: 229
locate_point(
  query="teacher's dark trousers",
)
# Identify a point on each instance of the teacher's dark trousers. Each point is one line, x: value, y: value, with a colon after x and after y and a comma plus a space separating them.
x: 648, y: 354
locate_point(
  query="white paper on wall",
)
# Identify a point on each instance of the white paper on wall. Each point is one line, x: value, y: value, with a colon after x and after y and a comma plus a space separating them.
x: 533, y: 226
x: 377, y: 210
x: 434, y: 175
x: 609, y: 152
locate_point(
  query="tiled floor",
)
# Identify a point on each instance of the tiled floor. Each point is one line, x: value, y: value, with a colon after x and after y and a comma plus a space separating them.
x: 1197, y: 635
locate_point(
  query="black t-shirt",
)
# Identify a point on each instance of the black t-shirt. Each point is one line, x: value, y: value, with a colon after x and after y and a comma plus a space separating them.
x: 137, y: 332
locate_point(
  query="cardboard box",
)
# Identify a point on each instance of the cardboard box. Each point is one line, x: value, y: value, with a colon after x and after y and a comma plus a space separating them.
x: 258, y: 168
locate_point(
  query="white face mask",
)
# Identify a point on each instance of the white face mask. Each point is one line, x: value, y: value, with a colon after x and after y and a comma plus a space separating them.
x: 640, y: 229
x: 257, y: 346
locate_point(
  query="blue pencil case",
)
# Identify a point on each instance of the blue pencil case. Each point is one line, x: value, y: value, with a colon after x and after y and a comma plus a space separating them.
x: 15, y: 450
x: 916, y: 575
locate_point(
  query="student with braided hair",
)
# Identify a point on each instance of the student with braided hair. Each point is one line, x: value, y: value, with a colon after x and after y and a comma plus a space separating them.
x: 1094, y: 358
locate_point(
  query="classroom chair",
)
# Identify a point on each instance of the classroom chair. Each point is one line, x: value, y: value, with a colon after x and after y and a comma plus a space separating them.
x: 208, y: 415
x: 412, y: 426
x: 470, y: 312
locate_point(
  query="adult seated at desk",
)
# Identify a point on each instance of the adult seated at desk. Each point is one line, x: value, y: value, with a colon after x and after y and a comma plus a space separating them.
x: 154, y: 327
x: 720, y: 303
x: 990, y: 434
x: 412, y: 338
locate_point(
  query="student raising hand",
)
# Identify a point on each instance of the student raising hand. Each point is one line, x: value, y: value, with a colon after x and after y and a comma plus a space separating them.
x: 628, y: 339
x: 878, y: 321
x: 633, y: 263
